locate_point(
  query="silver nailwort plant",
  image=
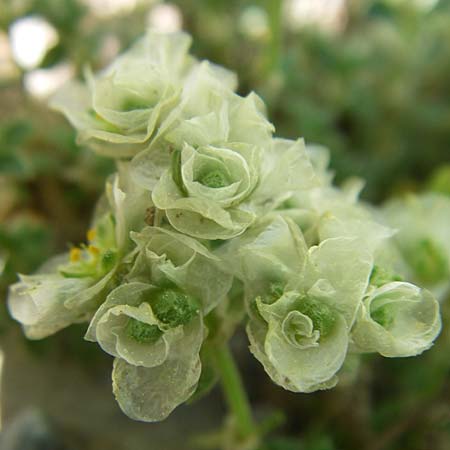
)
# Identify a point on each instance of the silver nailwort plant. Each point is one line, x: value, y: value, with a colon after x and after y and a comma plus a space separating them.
x: 210, y: 222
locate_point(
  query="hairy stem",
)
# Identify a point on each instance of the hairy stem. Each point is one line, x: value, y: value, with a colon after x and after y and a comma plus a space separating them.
x: 234, y: 392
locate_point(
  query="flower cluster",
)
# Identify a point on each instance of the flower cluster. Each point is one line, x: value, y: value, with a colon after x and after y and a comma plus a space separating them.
x: 211, y: 220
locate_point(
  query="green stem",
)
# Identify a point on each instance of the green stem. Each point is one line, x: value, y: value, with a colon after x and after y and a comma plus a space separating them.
x: 234, y: 392
x: 274, y: 9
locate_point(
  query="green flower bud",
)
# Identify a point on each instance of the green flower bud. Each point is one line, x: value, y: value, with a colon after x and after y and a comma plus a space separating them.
x: 215, y: 179
x: 174, y: 308
x: 397, y: 319
x: 156, y: 367
x: 143, y: 333
x: 320, y: 314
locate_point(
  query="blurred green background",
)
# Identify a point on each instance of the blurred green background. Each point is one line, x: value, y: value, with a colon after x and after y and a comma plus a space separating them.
x: 368, y: 79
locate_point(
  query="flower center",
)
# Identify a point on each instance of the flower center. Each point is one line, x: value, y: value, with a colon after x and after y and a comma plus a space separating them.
x: 98, y: 257
x: 131, y: 104
x: 299, y: 330
x: 141, y: 332
x: 382, y: 317
x: 380, y: 276
x: 214, y: 179
x: 174, y: 308
x: 320, y: 314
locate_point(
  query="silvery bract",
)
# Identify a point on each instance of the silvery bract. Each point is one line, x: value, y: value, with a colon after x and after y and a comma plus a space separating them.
x: 302, y: 304
x: 423, y: 238
x: 216, y: 167
x: 155, y: 333
x: 217, y: 192
x: 167, y: 256
x: 397, y: 319
x: 71, y: 286
x: 211, y: 220
x: 119, y: 109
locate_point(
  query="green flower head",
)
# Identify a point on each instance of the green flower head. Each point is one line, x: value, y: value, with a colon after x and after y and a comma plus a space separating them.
x: 215, y: 167
x: 423, y: 238
x: 150, y: 330
x: 121, y: 108
x: 397, y: 319
x: 70, y: 287
x: 299, y: 322
x: 167, y: 257
x: 203, y: 190
x: 210, y: 220
x: 305, y: 342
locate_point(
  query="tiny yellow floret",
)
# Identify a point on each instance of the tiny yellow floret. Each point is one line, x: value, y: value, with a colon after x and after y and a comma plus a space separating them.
x: 75, y: 254
x: 93, y: 250
x: 91, y: 234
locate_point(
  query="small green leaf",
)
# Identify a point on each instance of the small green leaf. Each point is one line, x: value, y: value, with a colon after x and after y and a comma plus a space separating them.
x: 176, y: 171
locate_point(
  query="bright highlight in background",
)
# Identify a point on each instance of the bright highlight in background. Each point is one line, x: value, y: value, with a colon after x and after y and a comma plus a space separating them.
x: 165, y: 17
x: 7, y: 66
x: 254, y: 22
x: 41, y: 83
x: 329, y: 15
x: 31, y: 37
x: 105, y: 8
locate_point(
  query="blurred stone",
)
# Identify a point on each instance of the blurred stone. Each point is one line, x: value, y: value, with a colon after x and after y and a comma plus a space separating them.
x: 74, y: 391
x: 30, y: 430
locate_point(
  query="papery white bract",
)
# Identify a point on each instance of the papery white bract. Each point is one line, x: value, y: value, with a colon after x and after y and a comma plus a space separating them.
x: 120, y: 108
x: 397, y: 319
x: 156, y: 345
x: 301, y: 303
x: 423, y: 238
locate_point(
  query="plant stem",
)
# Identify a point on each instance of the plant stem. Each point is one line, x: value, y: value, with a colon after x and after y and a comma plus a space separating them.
x: 234, y: 392
x: 274, y: 9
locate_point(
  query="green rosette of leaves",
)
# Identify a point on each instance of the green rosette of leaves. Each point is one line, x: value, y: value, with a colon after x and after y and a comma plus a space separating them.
x: 68, y: 288
x: 423, y: 238
x: 118, y: 110
x: 302, y: 302
x: 397, y: 319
